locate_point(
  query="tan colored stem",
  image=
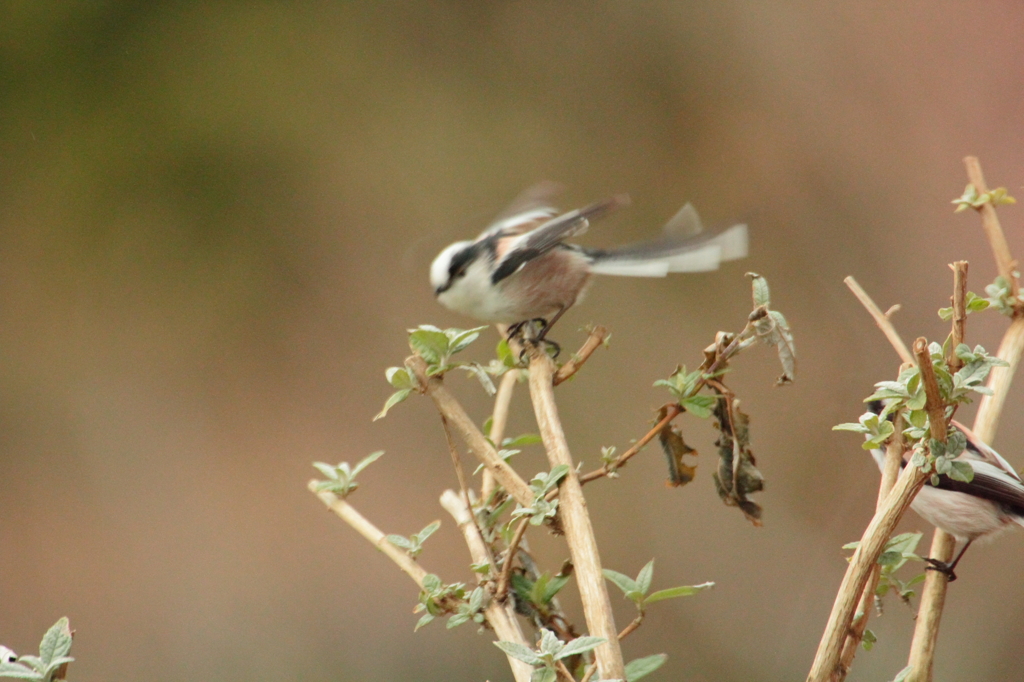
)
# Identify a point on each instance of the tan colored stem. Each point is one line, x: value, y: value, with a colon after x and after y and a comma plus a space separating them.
x: 990, y: 223
x: 933, y: 405
x: 673, y: 411
x: 501, y: 617
x: 499, y: 420
x: 597, y: 336
x: 579, y: 532
x: 450, y: 408
x: 881, y: 319
x: 890, y: 471
x: 991, y: 406
x: 929, y: 613
x: 864, y: 559
x: 959, y: 314
x: 510, y: 557
x: 349, y: 515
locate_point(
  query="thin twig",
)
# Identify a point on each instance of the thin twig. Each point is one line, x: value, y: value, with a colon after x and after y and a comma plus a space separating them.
x: 597, y: 337
x: 933, y: 405
x: 579, y: 532
x: 450, y: 408
x: 673, y: 411
x: 881, y: 319
x: 628, y: 630
x: 501, y: 617
x: 563, y: 672
x: 499, y: 419
x: 460, y: 473
x: 993, y: 231
x: 959, y: 314
x: 990, y: 407
x: 349, y: 515
x: 510, y: 555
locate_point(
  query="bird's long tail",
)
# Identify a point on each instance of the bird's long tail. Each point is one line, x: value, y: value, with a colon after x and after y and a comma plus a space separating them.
x: 681, y: 249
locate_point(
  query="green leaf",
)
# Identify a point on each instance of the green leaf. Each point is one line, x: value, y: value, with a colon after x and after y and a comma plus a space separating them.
x: 399, y: 377
x: 459, y: 339
x: 961, y: 471
x: 396, y: 397
x: 521, y: 440
x: 675, y: 592
x: 56, y: 642
x: 644, y: 577
x: 868, y: 640
x: 580, y: 645
x: 366, y: 461
x: 905, y: 673
x: 431, y: 583
x: 457, y: 620
x: 429, y: 530
x: 641, y: 667
x: 430, y: 343
x: 622, y: 581
x: 850, y: 426
x: 426, y: 618
x: 759, y: 285
x: 544, y: 675
x: 399, y: 541
x: 699, y: 405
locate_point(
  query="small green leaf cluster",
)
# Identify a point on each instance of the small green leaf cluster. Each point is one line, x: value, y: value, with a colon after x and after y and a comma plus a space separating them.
x: 53, y: 653
x: 636, y: 589
x: 684, y: 387
x: 898, y: 550
x: 944, y: 456
x: 341, y: 478
x: 470, y: 610
x: 972, y: 304
x: 549, y: 650
x: 509, y: 446
x: 436, y: 347
x: 413, y: 545
x: 538, y: 593
x: 972, y: 198
x: 1000, y: 296
x: 906, y: 396
x: 542, y: 509
x: 438, y: 599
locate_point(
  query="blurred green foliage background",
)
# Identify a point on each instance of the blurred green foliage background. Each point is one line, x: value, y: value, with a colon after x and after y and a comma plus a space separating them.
x: 215, y: 226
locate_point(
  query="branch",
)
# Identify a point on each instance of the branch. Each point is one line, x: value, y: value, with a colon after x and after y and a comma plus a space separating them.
x: 999, y: 379
x: 579, y: 532
x: 826, y: 664
x: 993, y: 231
x: 451, y: 410
x: 673, y: 411
x: 510, y: 555
x: 865, y: 557
x: 499, y: 419
x: 628, y: 630
x: 597, y: 337
x: 959, y: 314
x: 881, y: 319
x: 501, y: 617
x: 349, y: 515
x: 890, y: 470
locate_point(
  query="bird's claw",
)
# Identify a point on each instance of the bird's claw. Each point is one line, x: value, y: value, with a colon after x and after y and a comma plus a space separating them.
x: 943, y: 567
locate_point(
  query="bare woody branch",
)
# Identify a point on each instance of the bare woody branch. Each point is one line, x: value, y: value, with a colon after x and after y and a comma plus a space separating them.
x: 881, y: 319
x: 499, y: 420
x: 598, y: 335
x: 579, y: 532
x: 349, y: 515
x: 990, y: 223
x: 959, y: 313
x: 450, y: 408
x: 672, y: 411
x: 890, y: 471
x: 827, y: 659
x: 501, y: 617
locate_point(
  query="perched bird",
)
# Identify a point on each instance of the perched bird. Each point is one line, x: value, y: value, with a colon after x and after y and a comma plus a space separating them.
x: 521, y: 269
x: 989, y: 503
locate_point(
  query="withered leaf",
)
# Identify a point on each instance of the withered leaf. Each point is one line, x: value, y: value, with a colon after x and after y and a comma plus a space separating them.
x: 679, y: 473
x: 737, y: 476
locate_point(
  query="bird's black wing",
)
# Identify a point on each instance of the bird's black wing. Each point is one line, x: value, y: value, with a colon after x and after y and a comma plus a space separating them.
x: 549, y: 235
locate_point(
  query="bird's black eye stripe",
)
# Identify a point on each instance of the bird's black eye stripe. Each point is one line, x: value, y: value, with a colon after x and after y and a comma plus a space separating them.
x: 460, y: 261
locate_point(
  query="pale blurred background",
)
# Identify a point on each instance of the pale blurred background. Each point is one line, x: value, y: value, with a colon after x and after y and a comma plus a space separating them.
x: 215, y: 227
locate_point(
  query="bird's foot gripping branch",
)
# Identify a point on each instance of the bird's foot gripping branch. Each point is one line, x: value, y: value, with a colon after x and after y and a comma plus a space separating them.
x: 512, y: 594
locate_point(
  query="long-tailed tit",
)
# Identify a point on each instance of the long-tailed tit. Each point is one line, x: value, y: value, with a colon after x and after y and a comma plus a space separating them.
x: 989, y: 503
x: 521, y: 269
